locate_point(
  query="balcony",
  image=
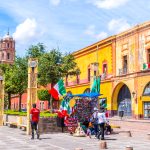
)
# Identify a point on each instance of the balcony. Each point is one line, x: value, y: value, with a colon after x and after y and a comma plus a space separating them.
x: 122, y: 71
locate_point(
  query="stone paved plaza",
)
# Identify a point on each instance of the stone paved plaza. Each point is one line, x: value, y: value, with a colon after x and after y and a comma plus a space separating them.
x: 15, y: 139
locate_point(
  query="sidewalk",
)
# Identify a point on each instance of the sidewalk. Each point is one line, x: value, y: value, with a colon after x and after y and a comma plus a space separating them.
x: 15, y: 139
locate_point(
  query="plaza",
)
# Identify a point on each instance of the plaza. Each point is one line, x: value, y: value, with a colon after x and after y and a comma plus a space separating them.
x: 15, y: 139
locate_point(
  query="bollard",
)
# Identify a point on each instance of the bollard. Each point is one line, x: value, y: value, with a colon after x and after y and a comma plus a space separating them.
x: 78, y: 148
x: 148, y: 136
x: 129, y: 148
x: 103, y: 145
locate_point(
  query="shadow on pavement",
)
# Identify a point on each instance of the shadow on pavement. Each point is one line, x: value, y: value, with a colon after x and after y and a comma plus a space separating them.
x: 45, y: 138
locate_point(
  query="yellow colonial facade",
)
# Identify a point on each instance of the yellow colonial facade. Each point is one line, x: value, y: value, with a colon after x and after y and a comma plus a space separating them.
x: 132, y: 71
x: 123, y: 61
x: 96, y: 59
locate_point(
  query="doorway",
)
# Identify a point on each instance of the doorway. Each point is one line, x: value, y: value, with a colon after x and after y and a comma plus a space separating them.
x: 124, y: 100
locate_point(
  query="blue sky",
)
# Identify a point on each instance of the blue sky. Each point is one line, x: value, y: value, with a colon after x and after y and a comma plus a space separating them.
x: 68, y: 24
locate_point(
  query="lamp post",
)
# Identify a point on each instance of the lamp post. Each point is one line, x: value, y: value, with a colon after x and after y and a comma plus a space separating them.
x: 32, y: 87
x: 1, y: 99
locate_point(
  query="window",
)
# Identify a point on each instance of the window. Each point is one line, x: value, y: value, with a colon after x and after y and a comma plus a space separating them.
x: 8, y: 56
x: 146, y: 109
x: 7, y: 45
x: 89, y: 74
x: 147, y: 90
x: 125, y: 64
x: 94, y: 72
x: 87, y: 90
x: 105, y: 68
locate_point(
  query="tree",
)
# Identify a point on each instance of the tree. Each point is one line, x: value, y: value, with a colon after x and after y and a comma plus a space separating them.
x: 9, y: 87
x: 35, y: 51
x: 54, y: 65
x: 20, y: 77
x: 43, y: 95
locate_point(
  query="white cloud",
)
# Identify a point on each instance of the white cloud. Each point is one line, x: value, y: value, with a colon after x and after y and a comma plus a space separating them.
x: 54, y: 2
x: 26, y: 31
x: 108, y: 4
x: 91, y: 31
x: 101, y: 35
x: 118, y: 25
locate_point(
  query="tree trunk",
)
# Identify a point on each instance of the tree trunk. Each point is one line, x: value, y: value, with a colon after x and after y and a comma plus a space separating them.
x: 20, y: 97
x: 51, y: 105
x: 9, y: 100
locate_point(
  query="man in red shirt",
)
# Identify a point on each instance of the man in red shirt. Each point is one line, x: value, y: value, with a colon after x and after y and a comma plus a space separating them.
x: 34, y: 119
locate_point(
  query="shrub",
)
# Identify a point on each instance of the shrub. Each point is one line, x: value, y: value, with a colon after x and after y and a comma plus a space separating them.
x: 43, y: 95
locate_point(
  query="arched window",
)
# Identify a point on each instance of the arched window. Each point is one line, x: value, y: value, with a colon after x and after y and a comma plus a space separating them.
x: 87, y: 90
x: 147, y: 90
x: 69, y: 93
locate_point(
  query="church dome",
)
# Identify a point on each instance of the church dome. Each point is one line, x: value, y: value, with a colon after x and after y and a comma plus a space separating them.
x: 7, y: 37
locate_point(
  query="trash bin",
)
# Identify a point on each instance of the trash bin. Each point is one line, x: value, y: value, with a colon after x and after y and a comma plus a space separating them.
x: 121, y: 114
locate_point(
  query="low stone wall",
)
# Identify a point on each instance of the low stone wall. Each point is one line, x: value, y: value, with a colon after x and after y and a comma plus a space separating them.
x: 46, y: 125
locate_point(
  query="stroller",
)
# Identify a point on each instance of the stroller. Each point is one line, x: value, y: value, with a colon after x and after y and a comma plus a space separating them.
x: 107, y: 130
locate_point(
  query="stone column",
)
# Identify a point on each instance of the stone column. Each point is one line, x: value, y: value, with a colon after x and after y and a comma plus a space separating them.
x: 32, y: 88
x: 1, y: 98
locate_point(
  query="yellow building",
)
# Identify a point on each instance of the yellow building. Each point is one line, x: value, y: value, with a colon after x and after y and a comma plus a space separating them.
x: 123, y: 61
x: 93, y: 60
x: 131, y: 85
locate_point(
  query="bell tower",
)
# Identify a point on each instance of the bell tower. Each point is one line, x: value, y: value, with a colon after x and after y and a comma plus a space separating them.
x: 7, y: 49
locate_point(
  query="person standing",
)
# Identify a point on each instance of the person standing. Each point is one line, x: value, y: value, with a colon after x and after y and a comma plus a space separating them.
x: 95, y: 120
x: 34, y: 119
x: 101, y: 123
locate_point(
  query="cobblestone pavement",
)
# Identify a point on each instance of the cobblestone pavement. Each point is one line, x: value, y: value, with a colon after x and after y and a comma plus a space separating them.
x: 15, y: 139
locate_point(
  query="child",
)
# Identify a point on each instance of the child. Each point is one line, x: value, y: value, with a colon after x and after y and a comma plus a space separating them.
x: 88, y: 132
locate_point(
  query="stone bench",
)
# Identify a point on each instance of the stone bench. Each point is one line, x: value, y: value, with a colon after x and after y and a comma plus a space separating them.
x: 11, y: 124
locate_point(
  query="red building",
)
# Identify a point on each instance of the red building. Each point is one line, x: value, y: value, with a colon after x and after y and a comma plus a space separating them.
x: 42, y: 105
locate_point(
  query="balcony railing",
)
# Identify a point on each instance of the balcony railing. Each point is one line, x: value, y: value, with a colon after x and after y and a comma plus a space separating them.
x: 103, y: 76
x: 122, y: 71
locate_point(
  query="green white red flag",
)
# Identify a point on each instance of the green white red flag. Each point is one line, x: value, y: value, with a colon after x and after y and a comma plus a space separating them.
x: 58, y: 90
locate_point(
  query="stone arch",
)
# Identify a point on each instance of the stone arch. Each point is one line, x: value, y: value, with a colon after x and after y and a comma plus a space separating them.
x: 87, y: 90
x: 146, y: 91
x: 119, y: 96
x: 69, y: 92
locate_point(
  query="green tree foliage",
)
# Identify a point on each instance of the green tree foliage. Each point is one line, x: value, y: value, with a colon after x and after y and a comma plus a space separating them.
x: 35, y: 51
x: 9, y: 89
x: 54, y: 65
x: 20, y: 77
x: 43, y: 95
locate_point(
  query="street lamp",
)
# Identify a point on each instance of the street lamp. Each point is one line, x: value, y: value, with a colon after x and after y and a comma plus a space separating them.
x: 33, y: 64
x: 133, y: 94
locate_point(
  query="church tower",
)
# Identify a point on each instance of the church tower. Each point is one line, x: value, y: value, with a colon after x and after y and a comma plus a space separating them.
x: 7, y: 49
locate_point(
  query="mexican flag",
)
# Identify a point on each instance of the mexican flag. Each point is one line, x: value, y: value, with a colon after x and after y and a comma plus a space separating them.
x: 146, y: 66
x: 95, y: 88
x: 58, y: 90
